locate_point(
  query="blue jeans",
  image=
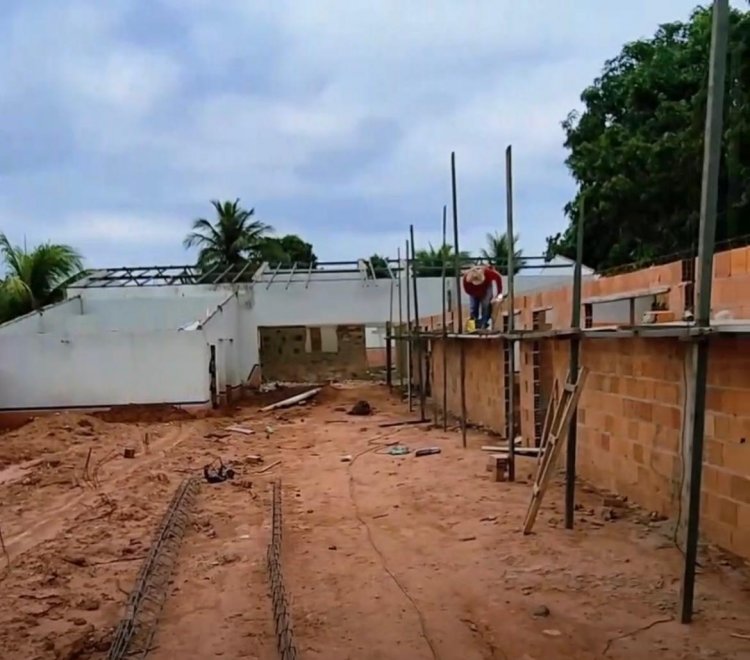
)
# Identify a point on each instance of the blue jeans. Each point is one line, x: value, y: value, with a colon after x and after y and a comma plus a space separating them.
x: 480, y: 309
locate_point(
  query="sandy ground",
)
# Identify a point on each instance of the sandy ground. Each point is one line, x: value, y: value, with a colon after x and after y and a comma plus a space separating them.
x: 384, y: 557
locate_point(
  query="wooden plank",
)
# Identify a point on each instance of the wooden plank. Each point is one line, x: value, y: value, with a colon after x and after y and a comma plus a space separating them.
x: 548, y: 461
x: 627, y: 295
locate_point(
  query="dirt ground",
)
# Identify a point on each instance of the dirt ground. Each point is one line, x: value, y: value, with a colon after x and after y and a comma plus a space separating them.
x: 392, y: 557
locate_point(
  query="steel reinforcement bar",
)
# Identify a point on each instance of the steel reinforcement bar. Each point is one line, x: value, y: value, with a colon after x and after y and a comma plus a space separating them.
x: 135, y: 632
x: 282, y: 619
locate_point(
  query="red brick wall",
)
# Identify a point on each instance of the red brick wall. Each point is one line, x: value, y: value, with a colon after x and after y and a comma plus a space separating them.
x: 484, y: 383
x: 630, y: 422
x: 631, y: 412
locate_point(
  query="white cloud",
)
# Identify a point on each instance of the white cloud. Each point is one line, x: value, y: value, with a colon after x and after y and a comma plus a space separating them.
x: 124, y: 229
x: 244, y: 98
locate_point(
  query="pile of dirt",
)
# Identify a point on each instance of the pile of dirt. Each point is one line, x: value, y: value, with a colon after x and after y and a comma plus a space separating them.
x: 146, y: 413
x: 48, y: 434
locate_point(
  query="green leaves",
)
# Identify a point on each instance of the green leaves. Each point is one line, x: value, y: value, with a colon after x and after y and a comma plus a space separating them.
x: 432, y: 261
x: 287, y: 251
x: 229, y: 241
x: 497, y: 251
x: 234, y: 238
x: 637, y: 147
x: 36, y: 277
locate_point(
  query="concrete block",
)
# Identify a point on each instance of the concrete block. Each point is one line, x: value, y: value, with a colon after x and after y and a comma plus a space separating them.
x: 738, y: 261
x: 740, y: 488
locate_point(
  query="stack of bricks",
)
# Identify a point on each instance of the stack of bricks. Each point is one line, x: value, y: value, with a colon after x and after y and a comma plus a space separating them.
x: 731, y: 283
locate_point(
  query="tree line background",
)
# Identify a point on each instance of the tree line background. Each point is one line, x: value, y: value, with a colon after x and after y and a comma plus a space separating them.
x: 635, y: 151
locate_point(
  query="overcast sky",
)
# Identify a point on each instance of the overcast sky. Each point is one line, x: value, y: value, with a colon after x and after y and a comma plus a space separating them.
x: 335, y: 120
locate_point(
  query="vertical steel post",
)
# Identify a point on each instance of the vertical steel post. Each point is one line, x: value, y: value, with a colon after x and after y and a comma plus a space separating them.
x: 575, y: 358
x: 706, y: 237
x: 511, y: 421
x: 417, y: 329
x: 445, y: 321
x: 457, y: 266
x: 388, y: 355
x: 409, y: 347
x: 400, y: 344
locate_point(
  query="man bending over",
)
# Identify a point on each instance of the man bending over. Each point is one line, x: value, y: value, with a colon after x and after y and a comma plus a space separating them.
x: 478, y: 286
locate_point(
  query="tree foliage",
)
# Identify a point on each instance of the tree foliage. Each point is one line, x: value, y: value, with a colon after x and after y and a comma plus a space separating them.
x: 235, y: 239
x: 287, y: 251
x: 380, y: 267
x: 497, y: 251
x: 231, y: 239
x: 636, y: 150
x: 430, y: 262
x: 34, y: 278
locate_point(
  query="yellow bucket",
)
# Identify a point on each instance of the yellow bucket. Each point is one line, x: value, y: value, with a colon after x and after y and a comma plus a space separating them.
x: 471, y: 325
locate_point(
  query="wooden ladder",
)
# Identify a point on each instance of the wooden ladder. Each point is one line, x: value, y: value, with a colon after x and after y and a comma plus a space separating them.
x: 554, y: 435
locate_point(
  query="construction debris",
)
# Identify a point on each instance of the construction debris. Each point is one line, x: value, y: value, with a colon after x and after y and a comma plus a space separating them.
x: 237, y: 429
x: 404, y: 422
x: 268, y: 467
x: 427, y: 451
x: 293, y: 400
x: 361, y: 408
x: 128, y: 452
x: 217, y: 475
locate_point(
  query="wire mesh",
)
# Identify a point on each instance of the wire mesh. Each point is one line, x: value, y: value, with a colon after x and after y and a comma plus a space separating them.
x: 136, y: 630
x: 282, y: 618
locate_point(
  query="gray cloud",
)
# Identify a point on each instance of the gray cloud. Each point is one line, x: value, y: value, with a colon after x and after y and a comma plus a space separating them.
x: 335, y: 120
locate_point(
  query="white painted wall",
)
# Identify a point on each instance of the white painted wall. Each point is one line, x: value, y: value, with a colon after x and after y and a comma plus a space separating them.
x: 222, y: 330
x: 45, y: 320
x: 52, y: 370
x: 122, y: 345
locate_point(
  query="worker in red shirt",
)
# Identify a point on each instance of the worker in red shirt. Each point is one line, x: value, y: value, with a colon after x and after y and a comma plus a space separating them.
x: 478, y: 285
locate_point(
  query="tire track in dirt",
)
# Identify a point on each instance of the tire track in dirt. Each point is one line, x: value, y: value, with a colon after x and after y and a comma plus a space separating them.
x: 55, y: 520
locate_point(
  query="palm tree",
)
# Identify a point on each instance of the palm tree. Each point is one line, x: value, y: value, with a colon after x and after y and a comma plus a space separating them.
x: 429, y: 263
x: 231, y: 241
x: 497, y: 251
x: 35, y: 278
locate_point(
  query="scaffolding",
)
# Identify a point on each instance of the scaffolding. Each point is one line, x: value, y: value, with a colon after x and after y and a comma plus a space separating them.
x: 697, y: 332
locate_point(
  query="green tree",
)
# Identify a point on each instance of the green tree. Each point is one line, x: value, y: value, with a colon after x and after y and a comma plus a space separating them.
x: 429, y: 262
x: 497, y: 251
x: 36, y: 277
x: 636, y: 149
x: 380, y: 267
x: 287, y: 251
x: 233, y: 239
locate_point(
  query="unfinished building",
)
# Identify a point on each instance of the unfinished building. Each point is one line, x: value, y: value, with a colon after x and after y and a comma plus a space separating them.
x: 173, y: 335
x: 631, y: 415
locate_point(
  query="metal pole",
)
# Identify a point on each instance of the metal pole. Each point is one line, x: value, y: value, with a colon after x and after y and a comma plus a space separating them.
x: 457, y: 266
x: 445, y: 321
x: 417, y: 329
x: 408, y: 332
x: 388, y: 339
x: 511, y: 422
x: 575, y: 353
x: 706, y: 237
x: 400, y: 345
